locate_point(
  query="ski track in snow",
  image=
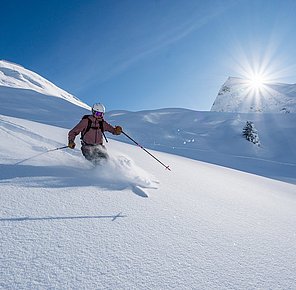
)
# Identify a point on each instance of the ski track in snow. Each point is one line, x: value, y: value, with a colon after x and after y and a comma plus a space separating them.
x: 24, y: 135
x: 119, y: 171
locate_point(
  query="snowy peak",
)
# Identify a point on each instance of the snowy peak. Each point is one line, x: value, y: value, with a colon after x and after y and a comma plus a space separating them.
x: 15, y: 76
x: 245, y: 96
x: 25, y: 94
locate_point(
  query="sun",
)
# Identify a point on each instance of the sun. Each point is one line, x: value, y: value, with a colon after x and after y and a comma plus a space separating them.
x: 257, y: 81
x: 257, y: 84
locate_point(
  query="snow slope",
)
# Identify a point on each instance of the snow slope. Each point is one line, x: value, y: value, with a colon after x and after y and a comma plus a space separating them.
x: 216, y: 137
x: 236, y: 95
x: 26, y: 94
x: 67, y: 225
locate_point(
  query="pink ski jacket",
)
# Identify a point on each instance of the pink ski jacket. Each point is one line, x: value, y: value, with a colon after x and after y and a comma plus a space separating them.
x: 94, y: 135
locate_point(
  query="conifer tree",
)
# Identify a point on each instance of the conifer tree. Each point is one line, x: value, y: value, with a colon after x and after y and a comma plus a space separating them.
x: 250, y: 133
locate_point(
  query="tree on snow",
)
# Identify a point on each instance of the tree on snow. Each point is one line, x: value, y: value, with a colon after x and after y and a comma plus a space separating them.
x: 250, y: 133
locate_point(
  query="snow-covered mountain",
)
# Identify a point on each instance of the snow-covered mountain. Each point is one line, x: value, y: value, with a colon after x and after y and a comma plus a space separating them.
x: 17, y: 77
x: 239, y: 95
x: 28, y: 95
x: 65, y: 224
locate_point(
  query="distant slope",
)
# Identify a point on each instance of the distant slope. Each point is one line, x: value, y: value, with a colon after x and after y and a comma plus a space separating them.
x: 236, y: 95
x: 216, y: 137
x: 27, y: 95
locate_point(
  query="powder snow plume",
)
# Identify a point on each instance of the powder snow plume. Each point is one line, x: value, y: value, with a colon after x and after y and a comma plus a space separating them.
x: 120, y: 171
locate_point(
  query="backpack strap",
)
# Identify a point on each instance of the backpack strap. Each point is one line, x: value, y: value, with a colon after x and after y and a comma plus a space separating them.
x: 88, y: 125
x: 101, y: 126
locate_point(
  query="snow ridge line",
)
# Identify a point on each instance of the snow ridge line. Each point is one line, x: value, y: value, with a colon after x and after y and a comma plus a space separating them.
x: 9, y: 127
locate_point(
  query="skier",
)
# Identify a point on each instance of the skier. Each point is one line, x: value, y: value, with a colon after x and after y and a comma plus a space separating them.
x: 92, y: 129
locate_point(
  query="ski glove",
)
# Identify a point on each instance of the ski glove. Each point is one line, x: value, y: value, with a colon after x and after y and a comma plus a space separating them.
x: 118, y: 130
x: 71, y: 144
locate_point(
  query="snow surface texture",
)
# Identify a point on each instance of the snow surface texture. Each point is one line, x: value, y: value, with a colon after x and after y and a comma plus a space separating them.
x: 236, y: 96
x: 67, y: 225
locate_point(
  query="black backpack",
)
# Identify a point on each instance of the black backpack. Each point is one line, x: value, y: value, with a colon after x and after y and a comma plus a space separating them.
x: 89, y: 126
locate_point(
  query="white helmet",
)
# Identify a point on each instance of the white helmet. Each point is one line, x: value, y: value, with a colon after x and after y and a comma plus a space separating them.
x: 98, y: 108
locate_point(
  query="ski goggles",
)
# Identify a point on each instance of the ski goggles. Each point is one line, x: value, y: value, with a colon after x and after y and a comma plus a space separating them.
x: 98, y: 114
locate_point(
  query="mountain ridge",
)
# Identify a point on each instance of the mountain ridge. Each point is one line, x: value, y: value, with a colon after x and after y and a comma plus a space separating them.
x: 26, y: 94
x: 15, y: 76
x: 238, y: 95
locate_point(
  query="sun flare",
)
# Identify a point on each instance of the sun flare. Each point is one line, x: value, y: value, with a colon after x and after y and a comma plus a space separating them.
x: 258, y: 69
x: 257, y: 81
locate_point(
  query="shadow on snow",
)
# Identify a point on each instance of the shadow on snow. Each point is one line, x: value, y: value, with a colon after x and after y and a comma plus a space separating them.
x: 22, y: 219
x: 60, y: 176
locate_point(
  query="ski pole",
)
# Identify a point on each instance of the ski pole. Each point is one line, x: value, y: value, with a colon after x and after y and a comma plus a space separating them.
x: 59, y: 148
x: 167, y: 167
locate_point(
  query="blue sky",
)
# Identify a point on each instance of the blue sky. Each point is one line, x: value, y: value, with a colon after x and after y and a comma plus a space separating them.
x: 137, y: 55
